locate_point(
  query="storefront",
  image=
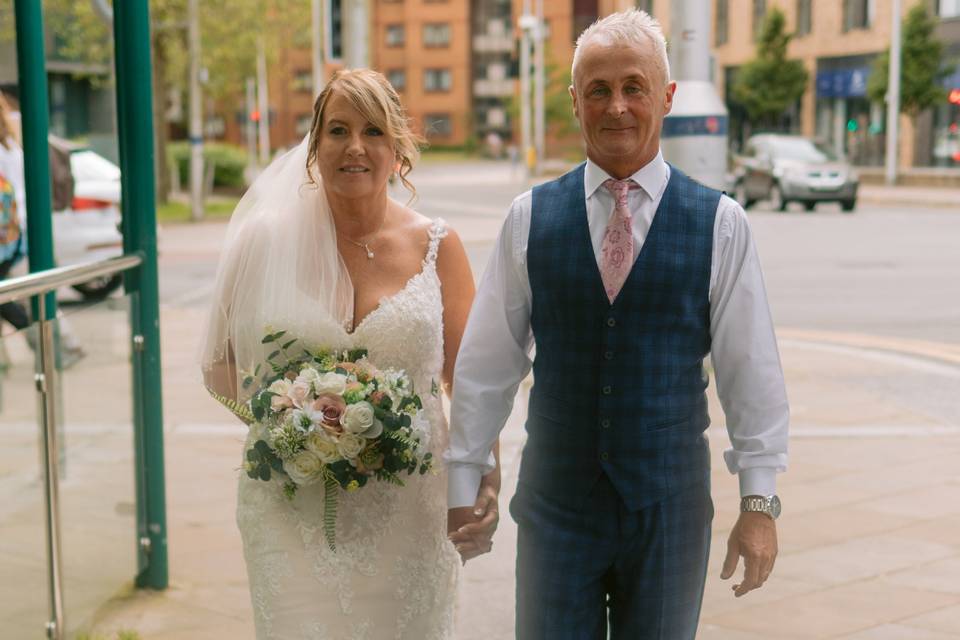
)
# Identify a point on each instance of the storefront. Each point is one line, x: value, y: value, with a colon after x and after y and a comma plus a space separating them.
x: 946, y: 125
x: 846, y: 119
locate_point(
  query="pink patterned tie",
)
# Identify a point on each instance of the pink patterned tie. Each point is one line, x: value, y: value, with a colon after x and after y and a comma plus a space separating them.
x: 616, y: 252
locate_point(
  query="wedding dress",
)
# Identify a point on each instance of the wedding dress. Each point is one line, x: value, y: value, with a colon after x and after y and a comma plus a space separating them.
x: 394, y: 573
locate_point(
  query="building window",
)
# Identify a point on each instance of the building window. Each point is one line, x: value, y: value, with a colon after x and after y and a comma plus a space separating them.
x: 435, y: 80
x: 304, y: 122
x: 857, y: 14
x: 215, y: 127
x: 722, y: 26
x: 335, y: 30
x: 395, y: 35
x: 759, y: 13
x: 438, y: 125
x: 436, y: 35
x: 585, y: 13
x: 398, y: 78
x: 496, y: 117
x: 804, y: 17
x: 645, y: 5
x: 948, y: 8
x: 302, y: 80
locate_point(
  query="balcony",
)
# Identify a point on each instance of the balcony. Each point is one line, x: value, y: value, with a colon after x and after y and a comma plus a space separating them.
x: 487, y: 88
x: 490, y: 43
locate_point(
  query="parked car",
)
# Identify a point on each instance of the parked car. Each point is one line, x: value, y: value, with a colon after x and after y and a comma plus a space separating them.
x: 89, y: 229
x: 783, y: 169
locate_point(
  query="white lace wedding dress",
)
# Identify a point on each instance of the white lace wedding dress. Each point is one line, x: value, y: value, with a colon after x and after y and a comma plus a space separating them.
x: 394, y: 572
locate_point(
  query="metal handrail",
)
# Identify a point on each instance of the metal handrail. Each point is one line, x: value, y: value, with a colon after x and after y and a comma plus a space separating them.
x: 46, y: 380
x: 52, y: 279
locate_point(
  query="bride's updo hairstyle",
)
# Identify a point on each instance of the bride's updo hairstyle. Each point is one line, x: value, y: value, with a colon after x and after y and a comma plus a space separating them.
x: 374, y: 97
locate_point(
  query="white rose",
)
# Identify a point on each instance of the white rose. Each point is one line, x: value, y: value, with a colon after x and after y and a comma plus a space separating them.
x: 304, y: 468
x: 358, y: 418
x: 374, y: 431
x: 281, y: 387
x: 320, y: 444
x: 350, y: 445
x: 309, y: 375
x: 299, y: 392
x: 333, y: 383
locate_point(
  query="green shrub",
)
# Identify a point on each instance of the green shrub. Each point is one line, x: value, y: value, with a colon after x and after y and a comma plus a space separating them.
x: 229, y: 162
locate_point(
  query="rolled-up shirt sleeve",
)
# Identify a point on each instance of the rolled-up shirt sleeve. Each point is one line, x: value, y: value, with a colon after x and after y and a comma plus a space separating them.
x: 745, y: 357
x: 494, y: 358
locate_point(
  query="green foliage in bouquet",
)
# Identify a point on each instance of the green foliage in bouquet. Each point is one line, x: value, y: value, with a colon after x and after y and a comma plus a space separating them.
x: 332, y: 418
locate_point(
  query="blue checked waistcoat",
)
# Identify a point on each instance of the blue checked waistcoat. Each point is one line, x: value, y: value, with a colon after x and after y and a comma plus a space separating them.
x: 619, y: 389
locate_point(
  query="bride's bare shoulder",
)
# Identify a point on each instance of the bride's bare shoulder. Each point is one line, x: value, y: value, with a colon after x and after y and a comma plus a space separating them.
x: 413, y: 226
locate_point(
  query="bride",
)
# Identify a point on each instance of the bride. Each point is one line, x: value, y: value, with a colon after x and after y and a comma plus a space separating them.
x: 316, y: 247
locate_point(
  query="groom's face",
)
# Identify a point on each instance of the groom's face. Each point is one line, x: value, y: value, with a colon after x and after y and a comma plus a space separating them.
x: 620, y: 96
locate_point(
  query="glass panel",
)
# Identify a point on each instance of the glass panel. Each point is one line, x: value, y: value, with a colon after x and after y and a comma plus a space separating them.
x: 97, y: 473
x: 24, y: 608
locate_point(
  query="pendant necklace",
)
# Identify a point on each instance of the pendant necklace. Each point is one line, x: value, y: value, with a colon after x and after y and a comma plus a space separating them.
x: 366, y: 245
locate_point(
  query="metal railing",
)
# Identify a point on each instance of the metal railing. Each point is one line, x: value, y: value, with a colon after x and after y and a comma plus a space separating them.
x: 38, y: 285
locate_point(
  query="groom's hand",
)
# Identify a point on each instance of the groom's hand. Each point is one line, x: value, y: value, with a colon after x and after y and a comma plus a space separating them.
x: 471, y: 529
x: 755, y: 538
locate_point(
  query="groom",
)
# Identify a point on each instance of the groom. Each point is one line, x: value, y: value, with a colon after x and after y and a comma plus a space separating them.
x: 625, y: 274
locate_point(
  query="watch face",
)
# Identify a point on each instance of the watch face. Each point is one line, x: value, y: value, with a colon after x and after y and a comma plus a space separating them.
x: 775, y: 506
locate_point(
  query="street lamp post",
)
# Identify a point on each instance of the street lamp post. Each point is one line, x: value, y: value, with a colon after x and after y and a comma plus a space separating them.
x: 196, y: 114
x: 316, y: 40
x: 893, y: 97
x: 539, y: 116
x: 527, y: 22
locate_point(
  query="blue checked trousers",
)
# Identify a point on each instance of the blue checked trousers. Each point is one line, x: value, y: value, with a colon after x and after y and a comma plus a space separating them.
x: 642, y: 572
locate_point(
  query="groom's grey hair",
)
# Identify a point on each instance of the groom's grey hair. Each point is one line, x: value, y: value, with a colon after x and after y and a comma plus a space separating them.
x: 632, y: 26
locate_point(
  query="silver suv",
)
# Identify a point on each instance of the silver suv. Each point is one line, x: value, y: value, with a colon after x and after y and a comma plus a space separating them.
x: 782, y: 169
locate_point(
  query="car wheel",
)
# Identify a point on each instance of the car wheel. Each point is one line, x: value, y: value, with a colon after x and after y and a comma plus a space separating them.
x: 848, y: 205
x: 99, y: 288
x: 776, y: 198
x: 740, y: 195
x: 809, y: 205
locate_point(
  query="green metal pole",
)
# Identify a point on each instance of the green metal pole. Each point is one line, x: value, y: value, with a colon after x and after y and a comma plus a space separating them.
x: 31, y: 65
x: 131, y: 28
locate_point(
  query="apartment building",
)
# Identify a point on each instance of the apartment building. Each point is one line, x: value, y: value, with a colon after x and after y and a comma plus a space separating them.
x: 424, y: 49
x: 838, y: 41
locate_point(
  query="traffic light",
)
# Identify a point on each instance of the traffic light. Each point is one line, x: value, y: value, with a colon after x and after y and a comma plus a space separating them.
x: 255, y: 116
x: 852, y: 125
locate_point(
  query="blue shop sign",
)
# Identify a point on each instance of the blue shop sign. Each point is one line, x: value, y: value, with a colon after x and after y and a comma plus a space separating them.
x: 843, y: 83
x: 679, y: 126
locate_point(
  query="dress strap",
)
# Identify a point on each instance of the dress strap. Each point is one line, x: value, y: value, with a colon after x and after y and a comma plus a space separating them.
x: 438, y: 231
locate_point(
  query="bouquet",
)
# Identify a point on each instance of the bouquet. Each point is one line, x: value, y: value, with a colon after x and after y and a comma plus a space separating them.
x: 331, y: 417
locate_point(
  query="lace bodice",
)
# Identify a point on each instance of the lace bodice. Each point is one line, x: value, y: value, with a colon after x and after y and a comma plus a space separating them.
x: 394, y: 573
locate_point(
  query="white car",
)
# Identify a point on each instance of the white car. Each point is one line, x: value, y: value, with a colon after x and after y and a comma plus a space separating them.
x: 89, y: 229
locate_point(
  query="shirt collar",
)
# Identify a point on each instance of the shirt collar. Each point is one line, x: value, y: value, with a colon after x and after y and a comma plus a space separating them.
x: 650, y: 177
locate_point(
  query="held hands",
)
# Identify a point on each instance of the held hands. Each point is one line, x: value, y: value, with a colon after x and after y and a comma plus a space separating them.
x: 471, y: 529
x: 754, y: 537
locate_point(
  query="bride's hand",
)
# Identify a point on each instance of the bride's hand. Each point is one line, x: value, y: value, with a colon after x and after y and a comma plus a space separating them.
x: 476, y: 537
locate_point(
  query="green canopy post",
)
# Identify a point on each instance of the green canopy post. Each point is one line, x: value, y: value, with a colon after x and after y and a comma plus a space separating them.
x: 131, y: 28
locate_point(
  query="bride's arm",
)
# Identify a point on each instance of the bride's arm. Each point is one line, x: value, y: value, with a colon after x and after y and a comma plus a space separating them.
x: 458, y: 290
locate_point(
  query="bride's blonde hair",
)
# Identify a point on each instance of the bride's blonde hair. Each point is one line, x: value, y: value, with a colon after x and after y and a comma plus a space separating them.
x: 374, y: 97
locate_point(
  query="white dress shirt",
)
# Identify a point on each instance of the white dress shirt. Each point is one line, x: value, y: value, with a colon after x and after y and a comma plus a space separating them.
x: 495, y: 352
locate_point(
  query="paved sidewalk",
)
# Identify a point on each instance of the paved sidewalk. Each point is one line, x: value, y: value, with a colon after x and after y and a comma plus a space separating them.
x: 910, y: 196
x: 870, y: 537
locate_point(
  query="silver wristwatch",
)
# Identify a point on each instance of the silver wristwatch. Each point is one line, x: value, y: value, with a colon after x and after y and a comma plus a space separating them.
x: 769, y: 505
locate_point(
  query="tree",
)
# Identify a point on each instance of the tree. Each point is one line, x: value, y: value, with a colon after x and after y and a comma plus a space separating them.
x: 770, y: 84
x: 921, y: 81
x: 229, y: 31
